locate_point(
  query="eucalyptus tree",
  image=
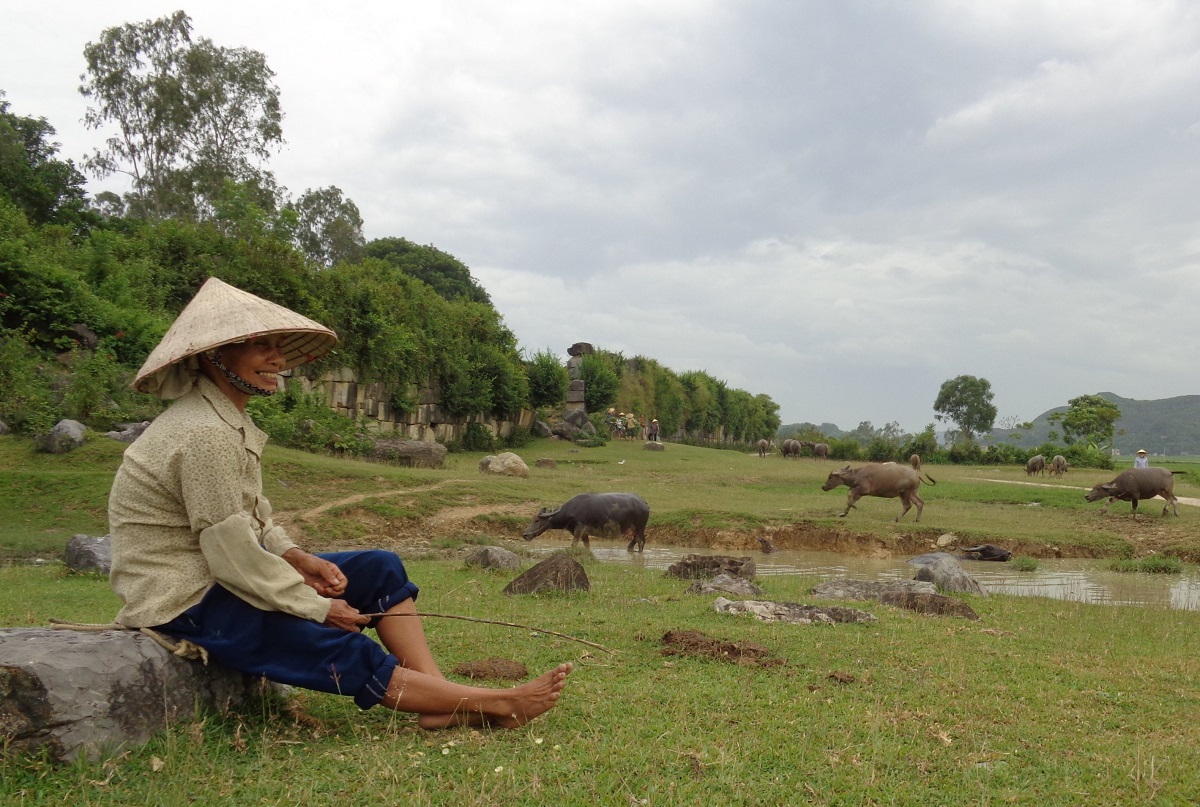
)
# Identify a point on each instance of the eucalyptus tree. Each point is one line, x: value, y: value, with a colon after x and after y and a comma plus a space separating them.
x: 967, y: 402
x: 189, y: 115
x: 329, y: 228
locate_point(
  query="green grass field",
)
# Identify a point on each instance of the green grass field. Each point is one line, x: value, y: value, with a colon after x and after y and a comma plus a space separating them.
x: 1040, y: 702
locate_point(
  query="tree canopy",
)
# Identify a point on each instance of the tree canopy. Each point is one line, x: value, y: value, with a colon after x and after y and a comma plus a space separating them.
x: 48, y: 190
x: 967, y: 402
x: 188, y: 115
x: 1090, y: 419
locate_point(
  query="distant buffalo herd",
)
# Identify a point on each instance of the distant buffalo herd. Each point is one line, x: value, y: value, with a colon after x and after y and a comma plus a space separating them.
x: 627, y: 513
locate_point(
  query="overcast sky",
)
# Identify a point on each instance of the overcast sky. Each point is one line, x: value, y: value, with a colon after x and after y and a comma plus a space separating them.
x: 840, y: 204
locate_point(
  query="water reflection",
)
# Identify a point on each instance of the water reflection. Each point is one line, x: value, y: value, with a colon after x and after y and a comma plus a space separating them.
x: 1074, y: 580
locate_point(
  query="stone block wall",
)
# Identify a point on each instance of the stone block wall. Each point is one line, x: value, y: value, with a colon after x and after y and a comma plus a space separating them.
x: 428, y: 422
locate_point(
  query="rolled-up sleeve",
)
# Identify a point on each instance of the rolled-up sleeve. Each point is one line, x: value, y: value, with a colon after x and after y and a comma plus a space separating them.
x: 255, y: 575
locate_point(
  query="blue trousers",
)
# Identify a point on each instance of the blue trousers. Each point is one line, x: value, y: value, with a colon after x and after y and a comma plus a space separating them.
x: 299, y: 652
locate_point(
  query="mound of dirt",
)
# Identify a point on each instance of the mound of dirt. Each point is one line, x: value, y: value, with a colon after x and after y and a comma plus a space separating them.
x: 497, y: 669
x: 700, y: 645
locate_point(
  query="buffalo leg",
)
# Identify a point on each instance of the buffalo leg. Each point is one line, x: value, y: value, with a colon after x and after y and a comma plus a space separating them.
x: 850, y: 500
x: 920, y: 503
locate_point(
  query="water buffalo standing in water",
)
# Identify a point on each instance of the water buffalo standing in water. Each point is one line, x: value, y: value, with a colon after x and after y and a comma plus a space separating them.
x: 1035, y: 465
x: 1135, y: 484
x: 595, y: 513
x: 764, y: 448
x: 1058, y: 465
x: 886, y: 481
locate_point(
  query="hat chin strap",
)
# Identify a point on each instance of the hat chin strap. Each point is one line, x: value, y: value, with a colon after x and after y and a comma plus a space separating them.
x: 239, y: 383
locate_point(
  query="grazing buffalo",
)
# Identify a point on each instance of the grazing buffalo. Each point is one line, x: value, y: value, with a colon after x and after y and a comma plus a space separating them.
x: 915, y: 462
x: 764, y: 448
x: 595, y: 513
x: 886, y: 481
x: 1035, y: 465
x: 1058, y: 465
x: 819, y: 450
x: 1135, y: 484
x: 790, y: 448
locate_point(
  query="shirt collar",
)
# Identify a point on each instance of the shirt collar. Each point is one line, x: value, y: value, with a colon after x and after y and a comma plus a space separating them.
x: 254, y: 437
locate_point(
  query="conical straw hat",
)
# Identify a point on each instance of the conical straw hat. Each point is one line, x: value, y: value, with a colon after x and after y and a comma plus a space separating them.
x: 221, y: 314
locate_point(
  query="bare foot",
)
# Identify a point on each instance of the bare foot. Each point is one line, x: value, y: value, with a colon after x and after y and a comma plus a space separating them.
x: 507, y: 708
x: 533, y: 697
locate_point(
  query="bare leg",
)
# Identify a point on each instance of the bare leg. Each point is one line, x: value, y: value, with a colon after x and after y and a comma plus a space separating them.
x: 418, y: 685
x: 404, y: 637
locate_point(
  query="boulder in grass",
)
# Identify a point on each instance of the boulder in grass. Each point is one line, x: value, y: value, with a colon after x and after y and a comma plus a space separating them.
x: 506, y: 464
x: 493, y: 557
x: 944, y: 571
x: 89, y: 553
x: 559, y: 572
x: 65, y: 436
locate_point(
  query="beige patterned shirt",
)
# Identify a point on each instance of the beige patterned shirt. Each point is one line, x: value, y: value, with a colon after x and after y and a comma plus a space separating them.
x: 186, y: 511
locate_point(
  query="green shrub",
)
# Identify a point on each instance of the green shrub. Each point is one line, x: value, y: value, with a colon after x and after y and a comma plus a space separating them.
x: 548, y: 380
x: 477, y: 437
x: 26, y: 403
x: 520, y: 437
x: 1024, y: 563
x: 299, y: 419
x: 1154, y: 564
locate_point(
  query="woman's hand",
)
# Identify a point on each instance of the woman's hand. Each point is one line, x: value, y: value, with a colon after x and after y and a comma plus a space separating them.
x: 342, y: 615
x: 319, y: 574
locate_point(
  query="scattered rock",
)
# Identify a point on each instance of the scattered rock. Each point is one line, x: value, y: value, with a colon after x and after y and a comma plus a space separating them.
x: 4, y: 428
x: 793, y: 612
x: 944, y: 571
x: 65, y: 436
x: 575, y: 425
x: 948, y: 539
x: 493, y: 557
x: 498, y: 669
x: 922, y: 603
x: 727, y: 584
x: 506, y: 464
x: 697, y: 644
x: 654, y: 445
x: 559, y: 572
x: 541, y: 428
x: 127, y: 432
x: 87, y: 553
x: 846, y: 589
x: 545, y: 462
x: 699, y: 567
x: 410, y: 453
x: 841, y: 677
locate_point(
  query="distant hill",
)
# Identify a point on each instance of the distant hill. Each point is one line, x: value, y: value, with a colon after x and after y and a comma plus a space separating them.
x: 1166, y: 426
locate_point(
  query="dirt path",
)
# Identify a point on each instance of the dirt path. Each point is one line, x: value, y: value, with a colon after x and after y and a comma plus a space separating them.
x: 1180, y: 499
x: 309, y: 515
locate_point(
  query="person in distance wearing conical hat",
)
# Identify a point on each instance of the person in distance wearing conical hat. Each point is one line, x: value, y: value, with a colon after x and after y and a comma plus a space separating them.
x: 1141, y: 459
x: 196, y: 555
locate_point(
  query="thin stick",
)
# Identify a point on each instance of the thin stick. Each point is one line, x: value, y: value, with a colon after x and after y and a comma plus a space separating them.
x: 506, y: 624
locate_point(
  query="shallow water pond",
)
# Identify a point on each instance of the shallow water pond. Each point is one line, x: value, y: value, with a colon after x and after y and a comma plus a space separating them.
x: 1074, y: 579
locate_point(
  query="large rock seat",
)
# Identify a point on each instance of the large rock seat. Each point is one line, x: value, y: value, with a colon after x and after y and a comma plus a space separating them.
x: 71, y: 693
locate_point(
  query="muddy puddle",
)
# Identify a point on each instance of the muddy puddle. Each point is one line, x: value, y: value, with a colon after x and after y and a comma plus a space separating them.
x: 1071, y: 579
